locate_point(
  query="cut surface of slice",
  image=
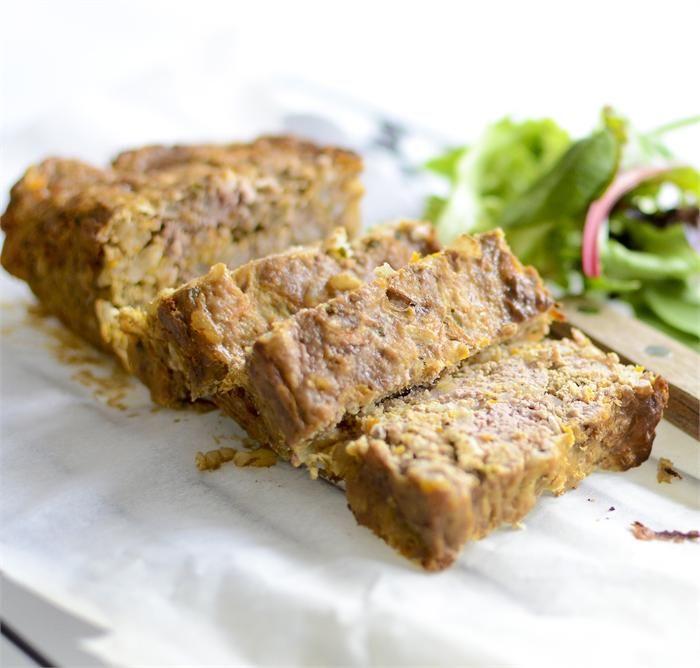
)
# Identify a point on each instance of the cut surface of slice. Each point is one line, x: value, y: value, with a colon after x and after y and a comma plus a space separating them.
x: 89, y: 241
x: 440, y: 466
x: 192, y: 342
x: 402, y: 329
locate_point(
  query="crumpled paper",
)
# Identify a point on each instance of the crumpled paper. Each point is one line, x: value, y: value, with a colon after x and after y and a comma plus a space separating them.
x: 104, y: 513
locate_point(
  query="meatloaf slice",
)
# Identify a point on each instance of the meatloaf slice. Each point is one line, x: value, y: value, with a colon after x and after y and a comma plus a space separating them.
x: 192, y: 342
x: 402, y: 329
x: 89, y: 241
x: 437, y: 467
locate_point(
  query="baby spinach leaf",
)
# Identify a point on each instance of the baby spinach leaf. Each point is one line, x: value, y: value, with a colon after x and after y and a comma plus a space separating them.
x: 567, y: 190
x: 643, y: 312
x: 622, y: 263
x: 507, y: 159
x: 676, y: 304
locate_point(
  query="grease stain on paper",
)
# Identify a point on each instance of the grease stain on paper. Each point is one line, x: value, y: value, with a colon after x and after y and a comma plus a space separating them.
x: 101, y: 374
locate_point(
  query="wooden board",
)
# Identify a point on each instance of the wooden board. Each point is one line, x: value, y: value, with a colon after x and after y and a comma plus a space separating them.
x: 638, y: 343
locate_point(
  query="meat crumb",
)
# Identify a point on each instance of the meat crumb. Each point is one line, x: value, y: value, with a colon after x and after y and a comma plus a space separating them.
x: 262, y: 457
x: 665, y: 472
x: 213, y: 459
x: 642, y: 532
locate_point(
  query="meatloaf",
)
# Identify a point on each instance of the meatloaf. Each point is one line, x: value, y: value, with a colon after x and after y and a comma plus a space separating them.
x: 402, y: 329
x: 437, y: 467
x: 89, y: 241
x: 192, y: 342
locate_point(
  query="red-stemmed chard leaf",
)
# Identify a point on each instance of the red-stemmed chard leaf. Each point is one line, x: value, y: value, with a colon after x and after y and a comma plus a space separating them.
x: 599, y: 212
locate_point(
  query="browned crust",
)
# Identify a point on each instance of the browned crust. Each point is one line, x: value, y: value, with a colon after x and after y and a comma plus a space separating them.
x: 401, y: 330
x: 91, y: 240
x: 51, y: 239
x: 266, y: 148
x: 642, y: 413
x: 192, y: 342
x: 426, y: 525
x: 429, y: 510
x: 238, y: 404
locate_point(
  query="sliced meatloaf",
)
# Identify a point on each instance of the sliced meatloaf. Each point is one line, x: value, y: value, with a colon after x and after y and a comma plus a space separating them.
x: 437, y: 467
x: 192, y: 342
x: 89, y: 241
x: 402, y: 329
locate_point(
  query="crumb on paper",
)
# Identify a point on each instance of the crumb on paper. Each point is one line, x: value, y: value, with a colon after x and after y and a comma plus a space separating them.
x: 591, y: 500
x: 262, y: 458
x: 611, y: 509
x: 213, y: 459
x: 642, y: 532
x: 666, y: 471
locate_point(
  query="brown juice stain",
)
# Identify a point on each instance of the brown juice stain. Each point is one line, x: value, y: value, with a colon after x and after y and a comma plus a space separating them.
x: 101, y: 374
x: 247, y: 443
x: 220, y: 438
x: 12, y: 305
x: 110, y: 384
x: 109, y: 389
x: 8, y: 330
x: 642, y: 532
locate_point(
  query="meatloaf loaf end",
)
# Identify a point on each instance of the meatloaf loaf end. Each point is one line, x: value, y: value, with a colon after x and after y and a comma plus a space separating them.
x: 402, y: 329
x: 89, y: 241
x: 437, y: 467
x: 192, y: 342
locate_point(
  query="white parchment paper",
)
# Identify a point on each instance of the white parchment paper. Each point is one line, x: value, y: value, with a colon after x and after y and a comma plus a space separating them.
x: 103, y: 511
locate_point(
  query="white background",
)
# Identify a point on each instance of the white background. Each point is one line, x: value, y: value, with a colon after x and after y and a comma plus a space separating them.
x: 86, y: 78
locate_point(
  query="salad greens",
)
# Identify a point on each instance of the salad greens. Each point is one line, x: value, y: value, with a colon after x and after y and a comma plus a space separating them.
x: 638, y: 243
x: 507, y: 160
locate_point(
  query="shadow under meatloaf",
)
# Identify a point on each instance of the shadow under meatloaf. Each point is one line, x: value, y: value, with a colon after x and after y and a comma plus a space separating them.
x: 401, y: 330
x: 192, y: 343
x: 437, y: 467
x: 89, y: 241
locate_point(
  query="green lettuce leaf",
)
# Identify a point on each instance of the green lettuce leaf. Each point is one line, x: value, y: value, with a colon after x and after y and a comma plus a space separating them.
x: 621, y: 262
x: 643, y: 312
x: 677, y: 304
x: 566, y: 191
x: 446, y: 164
x: 532, y: 181
x: 504, y: 163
